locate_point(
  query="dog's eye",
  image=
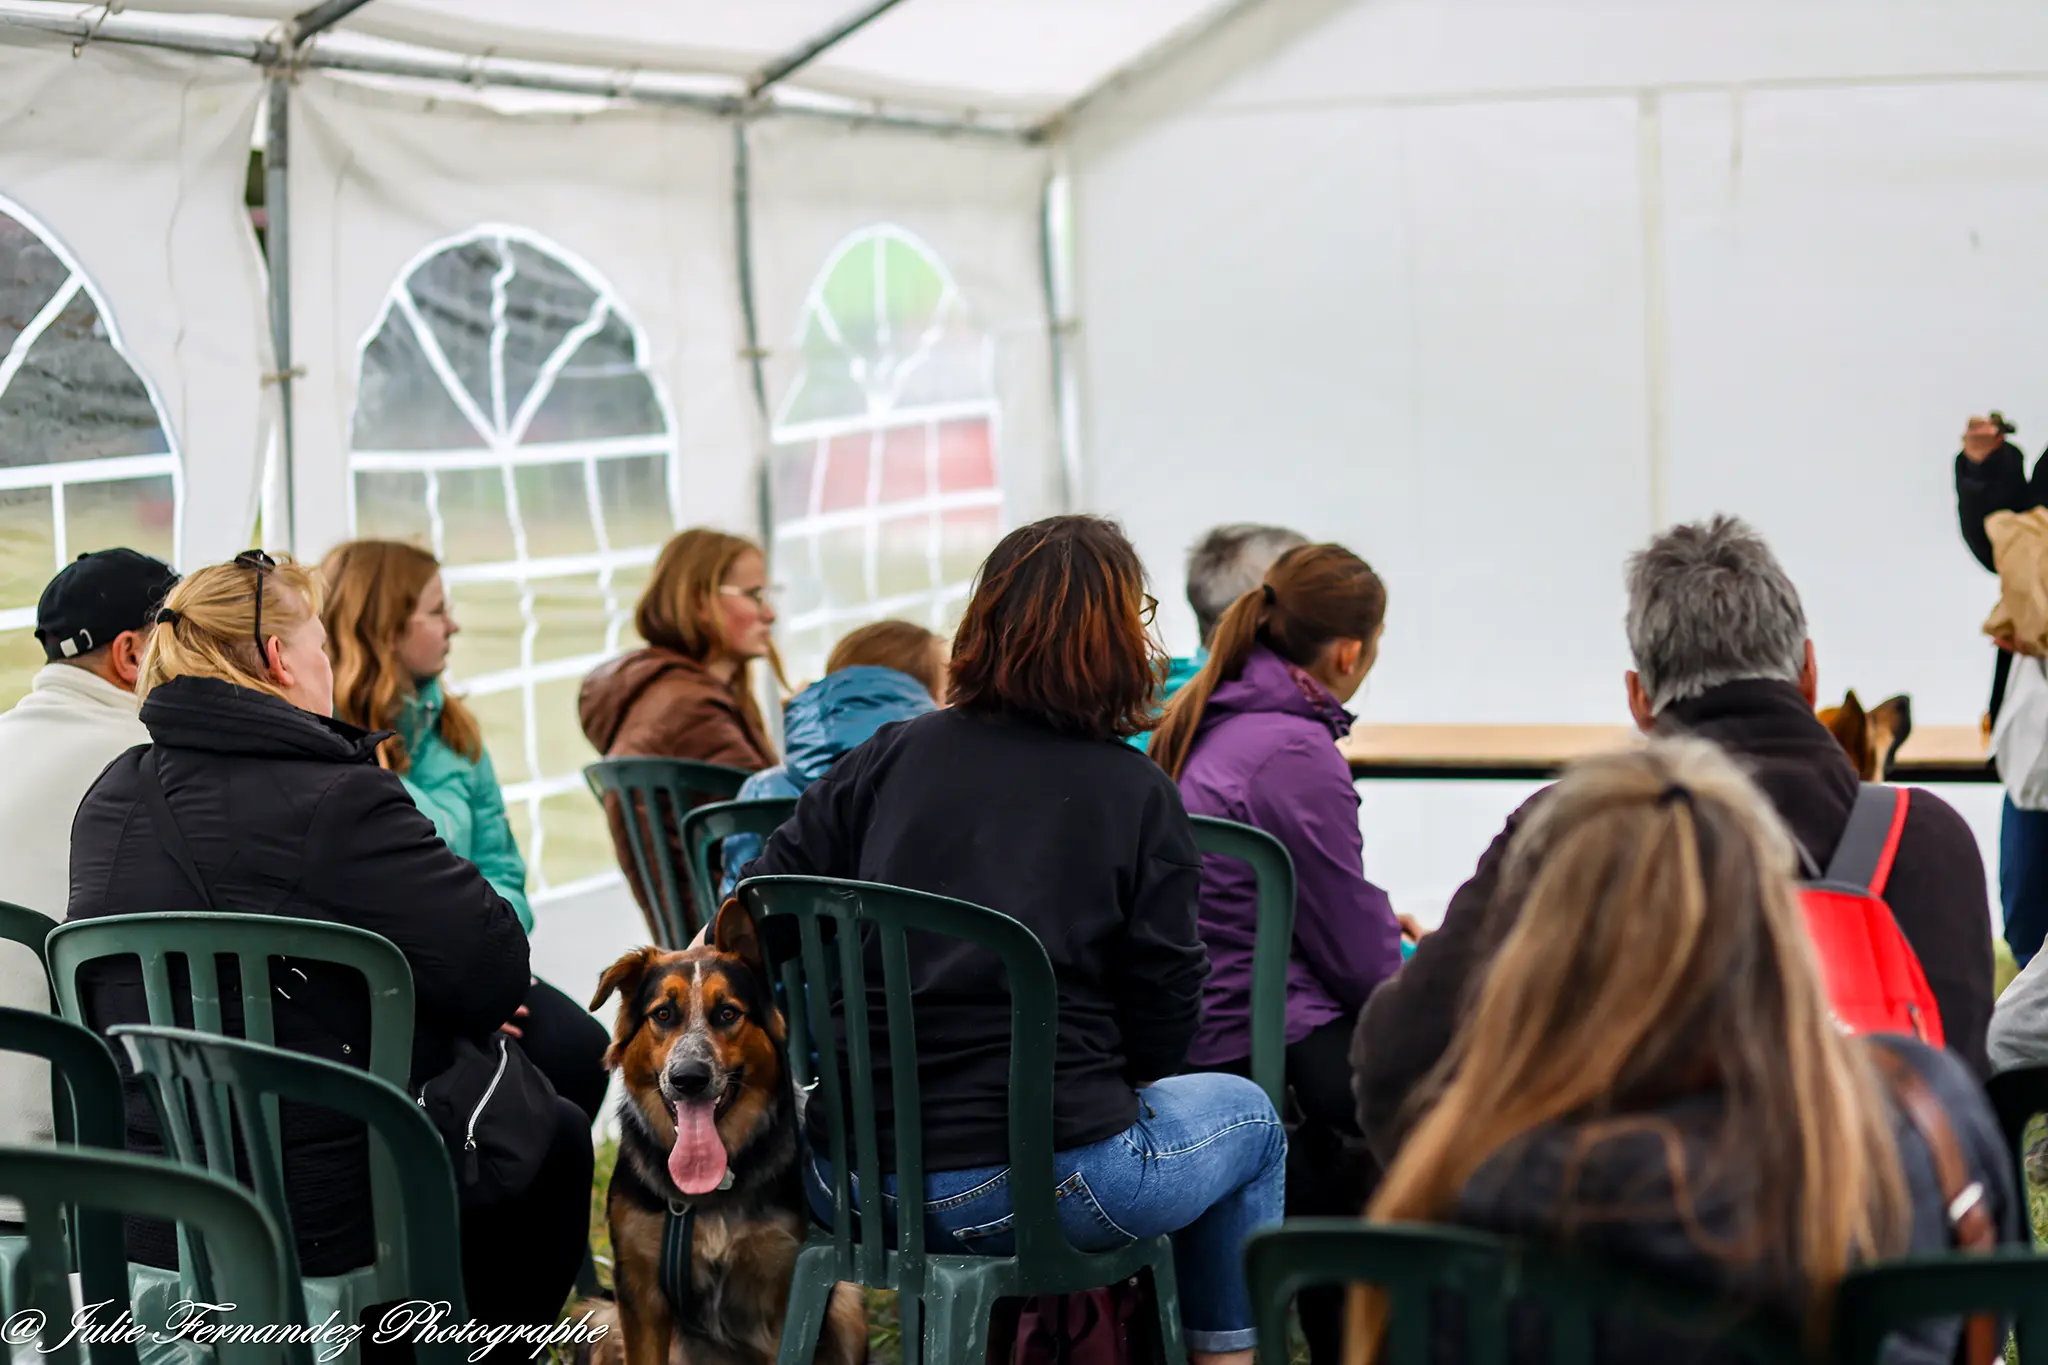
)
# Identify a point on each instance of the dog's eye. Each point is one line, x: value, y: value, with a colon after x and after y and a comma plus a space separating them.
x: 725, y: 1014
x: 663, y: 1015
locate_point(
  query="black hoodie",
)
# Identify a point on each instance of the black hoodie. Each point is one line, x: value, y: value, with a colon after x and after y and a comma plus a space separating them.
x: 287, y: 813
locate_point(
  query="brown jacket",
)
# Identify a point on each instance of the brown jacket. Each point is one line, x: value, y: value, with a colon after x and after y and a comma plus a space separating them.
x: 656, y: 703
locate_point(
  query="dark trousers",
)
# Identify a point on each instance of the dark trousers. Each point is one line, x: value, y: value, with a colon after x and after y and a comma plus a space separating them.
x: 559, y: 1036
x: 1329, y: 1172
x: 520, y: 1256
x: 2023, y: 879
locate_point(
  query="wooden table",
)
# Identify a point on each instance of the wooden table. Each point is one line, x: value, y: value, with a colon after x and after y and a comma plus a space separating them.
x: 1536, y: 753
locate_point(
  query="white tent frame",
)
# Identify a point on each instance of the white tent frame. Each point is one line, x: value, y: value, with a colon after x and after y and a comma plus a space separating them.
x: 295, y: 50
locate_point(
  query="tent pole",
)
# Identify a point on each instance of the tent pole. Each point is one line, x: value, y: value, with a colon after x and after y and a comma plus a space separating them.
x: 1052, y: 277
x: 743, y: 267
x: 801, y: 56
x: 322, y: 17
x: 277, y: 258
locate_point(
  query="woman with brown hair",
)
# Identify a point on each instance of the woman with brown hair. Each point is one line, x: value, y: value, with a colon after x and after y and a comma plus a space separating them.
x: 253, y: 799
x: 389, y: 629
x: 1650, y: 1072
x: 1022, y: 796
x: 707, y: 615
x: 1252, y: 738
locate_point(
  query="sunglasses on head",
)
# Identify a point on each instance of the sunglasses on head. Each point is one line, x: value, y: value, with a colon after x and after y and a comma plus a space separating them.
x: 260, y: 563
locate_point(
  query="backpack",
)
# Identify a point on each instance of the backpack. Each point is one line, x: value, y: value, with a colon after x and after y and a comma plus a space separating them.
x: 1093, y: 1327
x: 1873, y: 977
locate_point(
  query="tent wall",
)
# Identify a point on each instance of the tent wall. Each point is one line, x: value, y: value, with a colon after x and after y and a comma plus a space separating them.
x: 1489, y: 291
x: 133, y: 164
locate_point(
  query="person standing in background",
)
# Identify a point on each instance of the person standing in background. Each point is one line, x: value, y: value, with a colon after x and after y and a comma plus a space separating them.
x: 707, y: 615
x: 1991, y: 476
x: 389, y: 629
x: 1224, y: 565
x: 79, y: 716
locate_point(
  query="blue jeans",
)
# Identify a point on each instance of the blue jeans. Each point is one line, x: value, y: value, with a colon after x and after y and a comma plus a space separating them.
x: 1205, y: 1161
x: 2023, y: 879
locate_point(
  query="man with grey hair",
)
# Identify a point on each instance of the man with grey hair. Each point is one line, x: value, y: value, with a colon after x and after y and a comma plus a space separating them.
x: 1224, y: 565
x: 1721, y: 651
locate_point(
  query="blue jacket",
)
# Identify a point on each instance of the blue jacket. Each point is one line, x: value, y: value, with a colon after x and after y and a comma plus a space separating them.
x: 821, y: 724
x: 1179, y: 673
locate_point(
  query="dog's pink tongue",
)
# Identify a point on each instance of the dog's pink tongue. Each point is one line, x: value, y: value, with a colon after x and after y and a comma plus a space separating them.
x: 697, y: 1161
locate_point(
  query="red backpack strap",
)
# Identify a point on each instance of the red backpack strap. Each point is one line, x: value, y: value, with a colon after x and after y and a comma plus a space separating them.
x: 1870, y: 841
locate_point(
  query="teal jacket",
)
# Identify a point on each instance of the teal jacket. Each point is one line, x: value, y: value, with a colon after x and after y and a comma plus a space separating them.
x: 462, y: 800
x: 1179, y: 673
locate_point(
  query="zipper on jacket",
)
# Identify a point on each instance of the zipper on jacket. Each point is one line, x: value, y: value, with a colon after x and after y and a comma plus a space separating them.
x: 504, y: 1057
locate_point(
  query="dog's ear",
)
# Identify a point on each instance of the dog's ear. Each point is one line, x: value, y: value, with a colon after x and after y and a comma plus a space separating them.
x: 624, y: 976
x: 1851, y: 729
x: 736, y: 934
x: 1891, y: 724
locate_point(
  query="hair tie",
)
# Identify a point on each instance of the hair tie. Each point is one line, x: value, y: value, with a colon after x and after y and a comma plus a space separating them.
x: 1267, y: 590
x: 1675, y: 793
x: 167, y: 616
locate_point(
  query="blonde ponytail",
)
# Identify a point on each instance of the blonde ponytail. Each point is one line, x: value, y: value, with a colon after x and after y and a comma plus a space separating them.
x: 207, y: 627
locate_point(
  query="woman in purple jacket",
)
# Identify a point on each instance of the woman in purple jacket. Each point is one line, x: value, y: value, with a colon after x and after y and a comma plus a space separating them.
x: 1253, y: 739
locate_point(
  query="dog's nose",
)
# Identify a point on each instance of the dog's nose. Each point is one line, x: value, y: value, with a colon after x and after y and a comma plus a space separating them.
x: 691, y: 1080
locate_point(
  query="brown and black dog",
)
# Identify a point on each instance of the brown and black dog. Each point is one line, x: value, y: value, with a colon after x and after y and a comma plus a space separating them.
x: 708, y: 1122
x: 1870, y: 738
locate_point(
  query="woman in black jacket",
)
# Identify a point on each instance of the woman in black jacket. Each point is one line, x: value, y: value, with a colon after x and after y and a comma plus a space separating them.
x: 285, y: 812
x: 1991, y: 476
x: 1024, y: 797
x: 1649, y: 1073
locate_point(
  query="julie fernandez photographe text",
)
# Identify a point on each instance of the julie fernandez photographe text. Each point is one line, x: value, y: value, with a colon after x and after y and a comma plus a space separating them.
x: 418, y: 1321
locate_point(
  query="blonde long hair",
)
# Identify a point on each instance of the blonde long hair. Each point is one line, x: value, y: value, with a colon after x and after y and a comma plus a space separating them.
x: 679, y: 609
x: 1660, y: 948
x: 373, y: 588
x: 207, y: 625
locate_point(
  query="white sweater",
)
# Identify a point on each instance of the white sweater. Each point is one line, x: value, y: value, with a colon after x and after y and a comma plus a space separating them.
x: 54, y: 745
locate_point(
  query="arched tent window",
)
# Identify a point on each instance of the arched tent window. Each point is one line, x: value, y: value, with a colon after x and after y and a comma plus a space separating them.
x: 505, y: 419
x: 885, y: 491
x: 87, y: 460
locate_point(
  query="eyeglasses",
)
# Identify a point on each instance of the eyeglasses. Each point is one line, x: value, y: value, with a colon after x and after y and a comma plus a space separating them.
x: 261, y: 564
x: 760, y: 597
x: 1149, y: 610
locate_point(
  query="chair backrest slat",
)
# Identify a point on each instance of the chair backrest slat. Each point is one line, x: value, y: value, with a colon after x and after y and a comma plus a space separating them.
x: 904, y: 1089
x: 860, y: 1062
x: 1272, y: 943
x: 825, y: 1039
x: 651, y: 797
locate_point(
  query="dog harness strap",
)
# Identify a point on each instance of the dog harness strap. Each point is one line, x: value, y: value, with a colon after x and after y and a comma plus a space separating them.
x: 676, y: 1232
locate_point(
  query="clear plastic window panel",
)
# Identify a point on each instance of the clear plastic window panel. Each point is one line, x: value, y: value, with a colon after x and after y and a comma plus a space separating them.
x: 506, y: 421
x: 87, y: 460
x: 883, y: 482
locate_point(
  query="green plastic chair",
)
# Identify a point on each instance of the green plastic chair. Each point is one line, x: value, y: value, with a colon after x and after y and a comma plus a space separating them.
x: 31, y: 929
x: 1272, y: 943
x: 419, y: 1250
x: 2018, y: 1097
x: 944, y: 1300
x: 85, y: 1111
x: 243, y: 1246
x: 1489, y: 1275
x: 654, y: 796
x: 2011, y: 1282
x: 201, y: 939
x: 705, y: 830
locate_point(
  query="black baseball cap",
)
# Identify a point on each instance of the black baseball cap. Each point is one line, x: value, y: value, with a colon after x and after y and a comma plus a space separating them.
x: 96, y: 597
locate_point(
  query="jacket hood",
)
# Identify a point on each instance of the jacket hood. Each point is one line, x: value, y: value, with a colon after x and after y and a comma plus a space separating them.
x: 611, y: 689
x: 219, y: 717
x: 839, y: 713
x: 1268, y: 683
